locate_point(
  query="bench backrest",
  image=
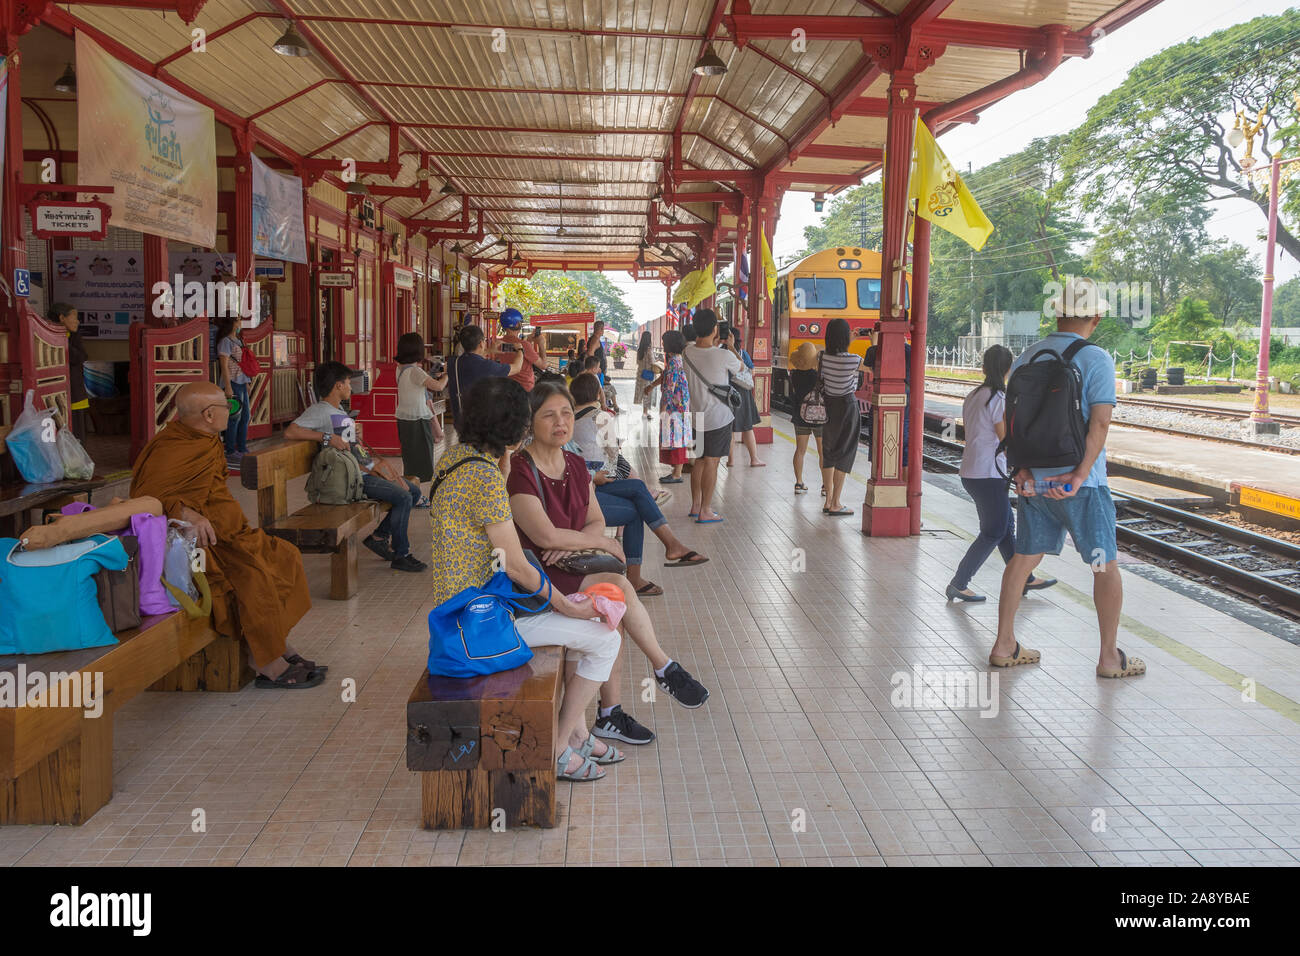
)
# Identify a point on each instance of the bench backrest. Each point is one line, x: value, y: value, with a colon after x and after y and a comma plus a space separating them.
x: 268, y: 469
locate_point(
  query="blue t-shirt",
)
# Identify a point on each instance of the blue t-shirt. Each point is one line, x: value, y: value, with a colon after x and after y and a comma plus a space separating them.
x: 1098, y: 370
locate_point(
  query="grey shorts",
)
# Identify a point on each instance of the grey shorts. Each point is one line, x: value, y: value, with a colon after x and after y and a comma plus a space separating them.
x: 716, y: 443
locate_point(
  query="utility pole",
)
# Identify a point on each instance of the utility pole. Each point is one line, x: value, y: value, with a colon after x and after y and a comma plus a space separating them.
x: 862, y: 219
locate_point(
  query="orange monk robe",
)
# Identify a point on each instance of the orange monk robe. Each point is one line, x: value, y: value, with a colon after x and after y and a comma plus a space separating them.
x: 185, y: 468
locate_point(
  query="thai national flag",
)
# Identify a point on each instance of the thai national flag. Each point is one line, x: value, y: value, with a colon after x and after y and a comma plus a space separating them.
x: 743, y: 291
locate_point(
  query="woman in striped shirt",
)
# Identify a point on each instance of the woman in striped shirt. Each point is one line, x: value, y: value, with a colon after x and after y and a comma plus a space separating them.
x: 841, y: 373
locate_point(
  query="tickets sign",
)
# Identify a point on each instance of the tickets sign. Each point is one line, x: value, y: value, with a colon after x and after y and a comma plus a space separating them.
x: 56, y: 220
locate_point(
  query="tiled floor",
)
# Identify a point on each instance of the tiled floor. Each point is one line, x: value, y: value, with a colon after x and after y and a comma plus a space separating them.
x: 813, y: 749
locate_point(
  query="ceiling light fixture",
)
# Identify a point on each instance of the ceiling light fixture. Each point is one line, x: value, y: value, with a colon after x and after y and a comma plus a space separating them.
x: 290, y: 44
x: 709, y: 63
x: 357, y: 188
x: 67, y: 83
x: 447, y: 189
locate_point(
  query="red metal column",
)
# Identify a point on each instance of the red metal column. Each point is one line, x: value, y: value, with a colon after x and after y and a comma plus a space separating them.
x: 884, y: 509
x: 155, y: 270
x: 916, y: 407
x: 762, y: 209
x: 242, y: 240
x: 13, y: 322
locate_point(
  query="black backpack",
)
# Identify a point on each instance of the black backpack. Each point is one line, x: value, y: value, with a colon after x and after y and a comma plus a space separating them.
x: 1045, y: 424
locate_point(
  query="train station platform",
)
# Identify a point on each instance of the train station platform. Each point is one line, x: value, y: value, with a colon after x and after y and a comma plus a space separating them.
x: 822, y: 743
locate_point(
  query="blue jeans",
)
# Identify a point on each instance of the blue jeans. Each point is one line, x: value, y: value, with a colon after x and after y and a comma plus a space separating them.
x: 402, y: 497
x: 236, y: 433
x: 628, y: 504
x: 997, y: 527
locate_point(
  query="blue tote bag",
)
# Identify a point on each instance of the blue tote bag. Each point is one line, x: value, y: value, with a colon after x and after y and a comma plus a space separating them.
x: 48, y: 600
x: 473, y: 633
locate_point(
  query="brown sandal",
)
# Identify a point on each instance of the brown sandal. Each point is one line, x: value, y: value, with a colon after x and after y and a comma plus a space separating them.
x: 1022, y: 655
x: 1128, y: 667
x: 295, y: 677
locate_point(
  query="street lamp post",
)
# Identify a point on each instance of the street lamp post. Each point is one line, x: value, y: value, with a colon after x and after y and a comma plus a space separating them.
x: 1261, y: 422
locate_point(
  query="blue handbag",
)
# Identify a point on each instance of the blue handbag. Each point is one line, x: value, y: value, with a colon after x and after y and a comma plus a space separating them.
x: 647, y: 375
x: 473, y: 633
x: 48, y: 600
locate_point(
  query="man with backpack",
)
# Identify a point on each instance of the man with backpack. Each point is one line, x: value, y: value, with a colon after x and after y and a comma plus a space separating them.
x: 327, y: 424
x: 1060, y: 398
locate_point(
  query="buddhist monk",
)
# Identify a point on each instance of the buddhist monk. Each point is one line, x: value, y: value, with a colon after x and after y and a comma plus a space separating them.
x: 184, y: 467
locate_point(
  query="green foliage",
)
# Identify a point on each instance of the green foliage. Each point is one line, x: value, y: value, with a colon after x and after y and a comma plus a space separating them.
x: 1286, y: 304
x: 547, y: 292
x: 1163, y: 132
x: 856, y: 218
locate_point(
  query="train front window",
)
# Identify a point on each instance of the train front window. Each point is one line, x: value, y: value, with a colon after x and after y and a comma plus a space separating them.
x: 818, y: 293
x: 869, y: 295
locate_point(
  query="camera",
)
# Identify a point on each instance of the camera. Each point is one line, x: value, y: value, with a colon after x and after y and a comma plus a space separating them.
x: 437, y: 365
x: 507, y: 347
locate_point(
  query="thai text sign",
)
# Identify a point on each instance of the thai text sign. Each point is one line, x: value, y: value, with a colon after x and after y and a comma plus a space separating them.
x: 52, y: 220
x: 278, y: 231
x: 155, y: 146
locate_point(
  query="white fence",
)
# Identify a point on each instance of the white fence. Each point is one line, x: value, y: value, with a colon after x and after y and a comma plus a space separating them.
x: 969, y: 359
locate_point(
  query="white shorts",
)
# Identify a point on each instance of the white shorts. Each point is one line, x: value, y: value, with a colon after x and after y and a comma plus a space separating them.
x: 595, y: 645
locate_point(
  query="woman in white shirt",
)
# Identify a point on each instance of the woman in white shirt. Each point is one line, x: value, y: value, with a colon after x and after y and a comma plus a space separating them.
x: 415, y: 422
x: 983, y: 475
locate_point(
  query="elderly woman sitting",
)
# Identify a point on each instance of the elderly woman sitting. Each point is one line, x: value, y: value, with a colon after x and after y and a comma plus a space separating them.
x: 472, y: 525
x: 557, y: 513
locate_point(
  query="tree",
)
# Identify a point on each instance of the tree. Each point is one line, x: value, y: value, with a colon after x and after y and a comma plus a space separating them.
x: 1157, y: 241
x: 1164, y: 130
x: 1229, y: 283
x: 607, y: 300
x: 545, y: 293
x: 1286, y: 304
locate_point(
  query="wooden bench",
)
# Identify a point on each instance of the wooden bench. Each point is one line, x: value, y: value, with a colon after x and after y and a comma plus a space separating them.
x: 18, y: 498
x: 315, y: 529
x: 56, y: 762
x: 487, y: 743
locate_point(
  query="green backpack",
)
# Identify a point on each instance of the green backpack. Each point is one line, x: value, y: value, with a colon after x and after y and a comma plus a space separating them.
x: 335, y: 478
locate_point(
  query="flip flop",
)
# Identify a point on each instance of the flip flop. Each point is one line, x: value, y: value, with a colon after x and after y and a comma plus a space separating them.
x: 843, y: 512
x: 1022, y: 655
x: 1128, y: 667
x: 649, y: 589
x: 708, y: 520
x: 688, y: 559
x: 692, y: 514
x: 670, y: 481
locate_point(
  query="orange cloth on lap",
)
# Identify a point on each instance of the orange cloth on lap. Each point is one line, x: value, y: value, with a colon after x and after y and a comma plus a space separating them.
x: 185, y: 468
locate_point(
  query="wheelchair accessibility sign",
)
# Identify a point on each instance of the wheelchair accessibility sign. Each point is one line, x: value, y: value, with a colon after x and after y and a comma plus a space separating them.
x: 22, y: 282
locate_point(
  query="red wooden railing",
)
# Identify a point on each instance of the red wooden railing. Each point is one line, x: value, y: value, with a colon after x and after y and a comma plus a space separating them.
x: 162, y: 360
x: 258, y: 340
x: 44, y: 357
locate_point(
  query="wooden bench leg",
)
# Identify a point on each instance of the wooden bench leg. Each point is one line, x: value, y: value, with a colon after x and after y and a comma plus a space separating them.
x: 68, y: 786
x: 344, y: 574
x: 222, y: 666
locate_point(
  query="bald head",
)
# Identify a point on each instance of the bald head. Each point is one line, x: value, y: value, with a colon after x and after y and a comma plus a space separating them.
x: 198, y: 397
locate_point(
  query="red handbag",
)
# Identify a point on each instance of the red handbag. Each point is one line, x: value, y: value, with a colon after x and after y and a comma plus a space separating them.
x: 248, y: 362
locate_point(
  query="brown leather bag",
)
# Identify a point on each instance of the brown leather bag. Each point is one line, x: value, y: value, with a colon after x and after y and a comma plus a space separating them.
x: 119, y: 591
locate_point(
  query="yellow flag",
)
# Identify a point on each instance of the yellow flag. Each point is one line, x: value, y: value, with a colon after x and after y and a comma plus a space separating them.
x: 695, y: 287
x: 704, y: 288
x: 684, y: 288
x: 769, y: 269
x: 940, y: 194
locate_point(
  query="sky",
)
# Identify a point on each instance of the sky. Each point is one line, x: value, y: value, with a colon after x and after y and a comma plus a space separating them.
x: 1057, y: 104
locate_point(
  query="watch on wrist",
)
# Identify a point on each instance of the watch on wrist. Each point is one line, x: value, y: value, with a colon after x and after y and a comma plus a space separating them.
x: 325, y: 438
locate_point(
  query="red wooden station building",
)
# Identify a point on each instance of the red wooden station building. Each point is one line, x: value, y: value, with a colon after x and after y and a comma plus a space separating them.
x: 437, y: 152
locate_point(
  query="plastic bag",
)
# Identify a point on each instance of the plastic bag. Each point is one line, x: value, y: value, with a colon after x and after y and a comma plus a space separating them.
x: 77, y: 465
x: 33, y: 442
x: 178, y: 562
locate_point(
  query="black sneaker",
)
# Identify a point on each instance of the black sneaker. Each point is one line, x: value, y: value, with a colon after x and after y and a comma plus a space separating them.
x: 408, y: 562
x: 686, y: 690
x: 621, y: 726
x: 380, y: 547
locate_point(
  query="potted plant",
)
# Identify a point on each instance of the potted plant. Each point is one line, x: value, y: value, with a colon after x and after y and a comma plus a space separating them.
x: 620, y: 354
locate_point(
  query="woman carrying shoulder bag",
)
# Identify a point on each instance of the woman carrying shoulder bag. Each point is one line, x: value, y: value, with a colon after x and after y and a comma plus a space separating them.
x: 983, y: 475
x: 559, y: 519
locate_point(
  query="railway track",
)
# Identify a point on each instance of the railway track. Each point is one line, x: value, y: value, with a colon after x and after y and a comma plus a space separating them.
x: 1252, y: 566
x: 1194, y: 408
